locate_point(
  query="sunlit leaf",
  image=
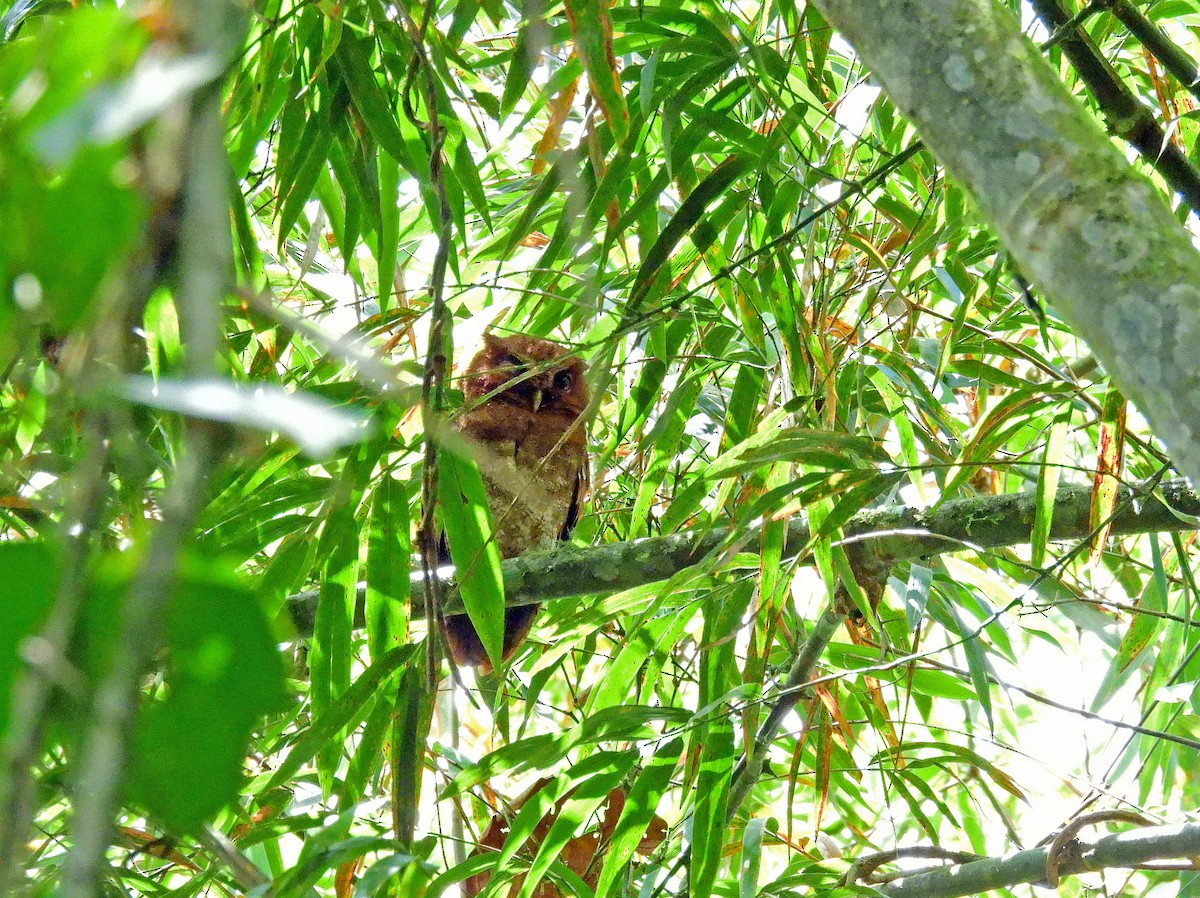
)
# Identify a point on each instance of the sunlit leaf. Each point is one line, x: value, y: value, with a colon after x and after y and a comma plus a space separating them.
x: 592, y: 28
x: 467, y: 517
x: 316, y: 426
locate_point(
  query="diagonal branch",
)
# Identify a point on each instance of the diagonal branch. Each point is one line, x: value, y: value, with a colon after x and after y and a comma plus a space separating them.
x: 1126, y: 117
x: 1097, y: 237
x: 1154, y: 39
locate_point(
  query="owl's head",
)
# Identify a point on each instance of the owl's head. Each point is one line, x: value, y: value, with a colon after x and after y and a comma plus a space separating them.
x: 529, y: 373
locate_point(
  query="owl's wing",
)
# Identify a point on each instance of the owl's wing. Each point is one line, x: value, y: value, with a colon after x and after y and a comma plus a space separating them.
x: 578, y: 495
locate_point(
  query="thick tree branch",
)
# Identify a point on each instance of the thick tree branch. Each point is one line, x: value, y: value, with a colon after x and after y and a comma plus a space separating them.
x: 1126, y: 849
x: 1154, y: 39
x: 1098, y: 238
x: 1126, y: 117
x: 888, y: 535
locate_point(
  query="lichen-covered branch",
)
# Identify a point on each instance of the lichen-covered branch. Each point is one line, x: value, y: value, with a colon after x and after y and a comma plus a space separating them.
x: 885, y: 536
x: 1097, y: 237
x: 1119, y: 850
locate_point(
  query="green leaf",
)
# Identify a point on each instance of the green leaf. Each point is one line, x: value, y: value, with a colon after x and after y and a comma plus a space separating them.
x: 330, y: 655
x: 373, y: 105
x: 627, y: 722
x: 690, y: 212
x: 664, y: 441
x: 524, y: 57
x: 1140, y: 636
x: 534, y: 752
x: 223, y: 673
x: 323, y: 851
x: 823, y: 448
x: 467, y: 519
x: 69, y: 235
x: 977, y: 663
x: 387, y: 568
x: 641, y: 805
x: 1047, y: 488
x: 592, y: 29
x: 345, y: 709
x: 31, y: 572
x: 752, y: 839
x: 712, y: 741
x: 916, y: 594
x: 940, y: 684
x: 301, y: 168
x: 593, y: 788
x: 411, y: 720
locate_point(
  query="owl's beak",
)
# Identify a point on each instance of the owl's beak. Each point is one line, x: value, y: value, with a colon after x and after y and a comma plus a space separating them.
x: 537, y: 399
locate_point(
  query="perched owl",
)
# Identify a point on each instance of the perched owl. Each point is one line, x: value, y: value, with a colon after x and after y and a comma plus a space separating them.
x: 524, y: 397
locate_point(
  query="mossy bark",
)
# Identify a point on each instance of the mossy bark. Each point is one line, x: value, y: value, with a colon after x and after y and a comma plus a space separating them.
x: 1097, y: 237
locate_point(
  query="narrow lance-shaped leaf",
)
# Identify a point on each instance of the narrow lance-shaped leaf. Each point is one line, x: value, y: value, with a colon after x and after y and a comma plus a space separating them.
x: 688, y: 214
x: 591, y: 26
x: 410, y: 733
x: 467, y: 520
x: 389, y: 233
x: 341, y: 713
x: 713, y: 739
x: 1047, y: 488
x: 388, y: 586
x: 640, y: 806
x: 1109, y: 463
x: 583, y: 801
x: 330, y: 654
x: 1141, y: 633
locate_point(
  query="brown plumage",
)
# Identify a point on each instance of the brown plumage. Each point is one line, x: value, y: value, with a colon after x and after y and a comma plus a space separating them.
x: 524, y: 398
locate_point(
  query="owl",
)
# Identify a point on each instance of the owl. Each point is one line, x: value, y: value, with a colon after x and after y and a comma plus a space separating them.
x: 524, y: 399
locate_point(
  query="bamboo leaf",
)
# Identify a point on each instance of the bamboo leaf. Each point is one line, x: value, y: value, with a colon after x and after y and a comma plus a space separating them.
x: 346, y: 709
x: 1109, y: 465
x: 690, y: 212
x: 591, y: 27
x: 467, y: 519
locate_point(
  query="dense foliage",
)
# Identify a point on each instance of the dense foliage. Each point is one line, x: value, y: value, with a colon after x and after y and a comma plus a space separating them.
x: 789, y: 313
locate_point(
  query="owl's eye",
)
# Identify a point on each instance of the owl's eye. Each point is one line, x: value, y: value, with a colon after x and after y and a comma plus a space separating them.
x: 562, y: 380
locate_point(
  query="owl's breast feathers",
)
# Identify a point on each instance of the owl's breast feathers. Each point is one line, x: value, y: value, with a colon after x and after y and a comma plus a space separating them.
x: 535, y: 471
x: 534, y: 468
x: 526, y: 398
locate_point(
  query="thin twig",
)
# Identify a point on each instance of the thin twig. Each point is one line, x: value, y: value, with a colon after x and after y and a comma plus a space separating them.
x: 23, y: 741
x: 244, y: 873
x: 1193, y: 744
x: 433, y: 384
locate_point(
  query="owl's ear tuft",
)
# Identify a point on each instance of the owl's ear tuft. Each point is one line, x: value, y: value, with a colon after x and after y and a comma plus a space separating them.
x: 490, y: 339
